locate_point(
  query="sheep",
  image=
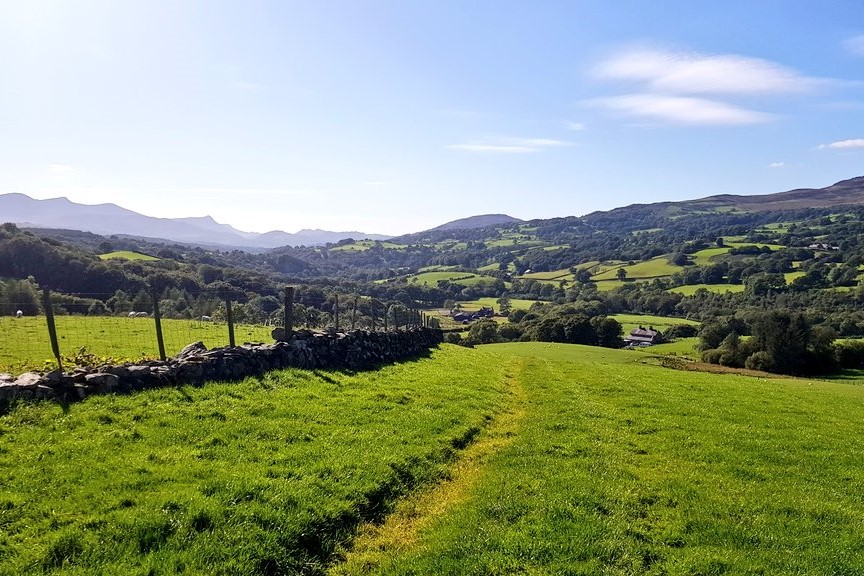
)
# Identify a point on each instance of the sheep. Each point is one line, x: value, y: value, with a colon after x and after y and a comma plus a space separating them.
x: 132, y: 314
x: 19, y: 314
x: 206, y: 318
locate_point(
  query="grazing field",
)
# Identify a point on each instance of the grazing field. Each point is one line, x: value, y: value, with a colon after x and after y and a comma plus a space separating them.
x: 262, y: 477
x: 455, y: 277
x: 654, y: 268
x: 691, y: 289
x: 617, y: 467
x: 25, y: 343
x: 706, y: 256
x: 630, y: 321
x: 128, y: 255
x: 490, y: 302
x: 551, y: 275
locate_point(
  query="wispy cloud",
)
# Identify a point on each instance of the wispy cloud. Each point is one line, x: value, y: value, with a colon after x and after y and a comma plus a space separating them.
x: 575, y: 126
x: 777, y: 164
x: 682, y: 109
x: 845, y: 144
x: 855, y: 45
x: 508, y: 145
x: 694, y: 73
x: 61, y: 169
x: 691, y: 88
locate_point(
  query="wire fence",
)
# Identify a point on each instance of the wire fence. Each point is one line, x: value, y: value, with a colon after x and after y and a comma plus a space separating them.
x: 94, y: 330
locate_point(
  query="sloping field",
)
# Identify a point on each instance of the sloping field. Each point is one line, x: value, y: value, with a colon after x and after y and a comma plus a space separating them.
x: 617, y: 467
x: 654, y: 268
x: 579, y: 460
x: 128, y: 255
x: 262, y: 477
x: 691, y: 289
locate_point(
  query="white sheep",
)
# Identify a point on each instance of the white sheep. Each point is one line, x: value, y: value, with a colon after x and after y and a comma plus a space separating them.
x: 19, y: 314
x: 206, y: 318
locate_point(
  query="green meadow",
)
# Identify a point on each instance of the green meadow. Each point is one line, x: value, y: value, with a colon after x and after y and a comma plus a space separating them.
x: 128, y: 255
x: 266, y: 476
x: 521, y: 458
x: 26, y: 345
x: 654, y: 268
x: 618, y: 467
x: 691, y: 289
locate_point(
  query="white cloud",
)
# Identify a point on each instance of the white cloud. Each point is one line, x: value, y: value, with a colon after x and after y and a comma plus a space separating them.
x: 508, y: 145
x: 61, y: 169
x: 682, y: 109
x: 855, y: 45
x: 777, y: 164
x: 693, y: 73
x: 575, y: 126
x: 845, y: 144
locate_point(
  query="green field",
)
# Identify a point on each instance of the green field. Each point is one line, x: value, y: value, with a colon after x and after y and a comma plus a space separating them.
x: 631, y: 321
x: 551, y: 275
x: 654, y: 268
x: 705, y: 257
x: 490, y: 302
x: 363, y: 245
x: 26, y: 345
x: 691, y: 289
x: 128, y: 255
x: 524, y: 458
x: 263, y: 477
x: 617, y: 467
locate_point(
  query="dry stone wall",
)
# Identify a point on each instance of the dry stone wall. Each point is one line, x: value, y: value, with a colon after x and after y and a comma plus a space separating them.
x: 195, y: 364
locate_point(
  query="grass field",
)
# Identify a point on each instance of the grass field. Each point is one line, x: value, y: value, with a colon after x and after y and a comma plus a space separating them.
x: 691, y: 289
x: 25, y: 343
x: 616, y: 467
x: 461, y: 278
x: 261, y: 477
x: 705, y: 257
x: 128, y: 255
x: 551, y: 275
x: 524, y: 458
x: 631, y: 321
x: 654, y: 268
x: 515, y: 304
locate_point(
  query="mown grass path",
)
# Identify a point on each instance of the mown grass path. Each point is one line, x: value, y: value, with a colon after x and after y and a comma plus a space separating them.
x: 625, y: 468
x: 400, y: 532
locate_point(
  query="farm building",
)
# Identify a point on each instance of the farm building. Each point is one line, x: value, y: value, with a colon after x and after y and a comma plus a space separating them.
x: 642, y: 336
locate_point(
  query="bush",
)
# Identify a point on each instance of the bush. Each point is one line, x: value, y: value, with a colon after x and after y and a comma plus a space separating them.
x: 759, y: 361
x: 453, y: 338
x: 712, y: 356
x: 681, y: 331
x: 850, y: 354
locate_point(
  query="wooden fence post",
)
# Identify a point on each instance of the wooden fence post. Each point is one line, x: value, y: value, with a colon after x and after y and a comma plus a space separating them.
x: 353, y: 314
x: 158, y: 318
x: 52, y: 329
x: 289, y: 311
x: 230, y: 315
x: 386, y: 313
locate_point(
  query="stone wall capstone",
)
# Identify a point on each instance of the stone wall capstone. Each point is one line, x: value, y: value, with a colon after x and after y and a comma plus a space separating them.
x: 195, y: 364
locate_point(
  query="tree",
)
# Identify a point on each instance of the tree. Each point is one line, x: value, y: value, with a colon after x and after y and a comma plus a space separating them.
x: 483, y: 332
x: 503, y: 305
x: 621, y: 274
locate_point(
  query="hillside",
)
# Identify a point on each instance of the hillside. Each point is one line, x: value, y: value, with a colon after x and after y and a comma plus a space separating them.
x: 481, y: 221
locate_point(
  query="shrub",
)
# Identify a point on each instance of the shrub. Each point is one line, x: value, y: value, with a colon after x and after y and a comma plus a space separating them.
x: 759, y: 361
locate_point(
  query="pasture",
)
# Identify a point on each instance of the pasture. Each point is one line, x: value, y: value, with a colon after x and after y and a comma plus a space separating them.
x: 529, y: 458
x: 631, y: 321
x: 691, y: 289
x: 265, y: 476
x: 654, y: 268
x: 128, y: 255
x: 617, y: 467
x: 26, y: 345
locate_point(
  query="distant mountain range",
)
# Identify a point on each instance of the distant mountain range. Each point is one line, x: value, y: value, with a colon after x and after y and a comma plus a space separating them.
x: 110, y: 219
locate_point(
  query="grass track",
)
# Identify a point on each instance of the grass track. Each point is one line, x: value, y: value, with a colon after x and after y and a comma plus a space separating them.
x: 628, y: 468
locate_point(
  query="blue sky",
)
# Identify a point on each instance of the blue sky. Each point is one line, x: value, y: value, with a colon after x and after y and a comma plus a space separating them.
x: 396, y: 116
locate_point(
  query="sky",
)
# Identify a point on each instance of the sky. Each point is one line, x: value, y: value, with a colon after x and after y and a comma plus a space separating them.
x: 396, y: 116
